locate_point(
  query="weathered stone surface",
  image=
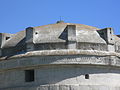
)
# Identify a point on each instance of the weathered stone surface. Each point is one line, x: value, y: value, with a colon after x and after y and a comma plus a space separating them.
x: 61, y: 56
x: 50, y: 35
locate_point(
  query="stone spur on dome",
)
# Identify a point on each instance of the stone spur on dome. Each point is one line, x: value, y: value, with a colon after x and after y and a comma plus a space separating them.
x: 60, y: 56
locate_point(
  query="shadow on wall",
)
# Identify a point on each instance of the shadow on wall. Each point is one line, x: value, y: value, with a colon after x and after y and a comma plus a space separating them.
x: 73, y: 74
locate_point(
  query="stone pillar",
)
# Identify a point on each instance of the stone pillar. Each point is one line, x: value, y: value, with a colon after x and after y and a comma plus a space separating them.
x: 71, y: 39
x: 3, y: 38
x: 107, y: 35
x: 29, y: 39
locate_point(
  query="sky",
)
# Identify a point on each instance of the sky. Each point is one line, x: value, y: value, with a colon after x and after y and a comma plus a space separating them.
x: 16, y: 15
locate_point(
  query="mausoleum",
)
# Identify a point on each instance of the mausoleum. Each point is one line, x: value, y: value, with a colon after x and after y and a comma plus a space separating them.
x: 60, y: 56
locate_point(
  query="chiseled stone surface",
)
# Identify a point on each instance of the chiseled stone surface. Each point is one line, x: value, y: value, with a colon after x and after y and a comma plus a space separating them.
x: 63, y: 77
x: 49, y: 60
x: 62, y: 55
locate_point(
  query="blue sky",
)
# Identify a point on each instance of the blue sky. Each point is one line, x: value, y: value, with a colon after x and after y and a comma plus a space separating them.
x: 16, y: 15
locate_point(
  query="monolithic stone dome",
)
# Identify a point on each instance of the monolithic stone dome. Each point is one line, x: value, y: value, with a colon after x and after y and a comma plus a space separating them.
x: 60, y: 56
x: 57, y: 36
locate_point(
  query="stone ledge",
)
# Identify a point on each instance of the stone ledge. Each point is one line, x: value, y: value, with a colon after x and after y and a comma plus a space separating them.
x: 59, y: 60
x: 62, y: 53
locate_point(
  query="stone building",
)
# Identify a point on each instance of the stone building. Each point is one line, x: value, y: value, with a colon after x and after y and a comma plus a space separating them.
x: 61, y: 56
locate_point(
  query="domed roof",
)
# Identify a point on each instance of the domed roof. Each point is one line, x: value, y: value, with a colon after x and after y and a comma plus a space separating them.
x: 59, y: 36
x: 50, y: 33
